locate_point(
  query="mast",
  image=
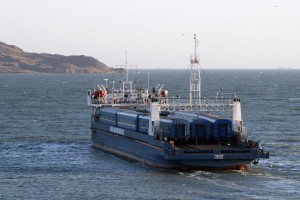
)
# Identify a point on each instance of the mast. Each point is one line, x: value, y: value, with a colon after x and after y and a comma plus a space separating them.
x: 126, y: 84
x: 126, y: 66
x: 195, y: 81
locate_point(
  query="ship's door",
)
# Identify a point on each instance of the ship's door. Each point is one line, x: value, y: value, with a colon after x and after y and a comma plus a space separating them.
x: 211, y: 134
x: 223, y: 131
x: 201, y: 131
x: 180, y: 130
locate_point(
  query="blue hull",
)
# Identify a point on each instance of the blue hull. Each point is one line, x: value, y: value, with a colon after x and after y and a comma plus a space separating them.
x: 145, y: 149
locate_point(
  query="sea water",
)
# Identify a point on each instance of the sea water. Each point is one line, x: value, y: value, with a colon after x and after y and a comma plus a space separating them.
x: 46, y: 153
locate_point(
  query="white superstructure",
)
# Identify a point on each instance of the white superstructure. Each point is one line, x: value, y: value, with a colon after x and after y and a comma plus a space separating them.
x: 145, y: 99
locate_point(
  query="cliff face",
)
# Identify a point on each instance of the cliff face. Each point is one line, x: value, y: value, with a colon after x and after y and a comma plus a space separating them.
x: 14, y: 59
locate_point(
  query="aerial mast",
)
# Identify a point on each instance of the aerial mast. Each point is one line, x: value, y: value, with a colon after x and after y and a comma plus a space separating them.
x: 195, y: 81
x: 126, y: 85
x: 126, y: 66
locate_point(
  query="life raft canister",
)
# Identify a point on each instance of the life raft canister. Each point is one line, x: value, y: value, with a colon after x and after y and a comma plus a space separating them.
x: 99, y: 93
x: 164, y: 93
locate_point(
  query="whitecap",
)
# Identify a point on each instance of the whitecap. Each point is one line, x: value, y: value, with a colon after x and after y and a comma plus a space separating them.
x: 294, y: 99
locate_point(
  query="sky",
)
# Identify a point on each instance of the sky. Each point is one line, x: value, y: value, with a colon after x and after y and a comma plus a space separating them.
x: 232, y: 34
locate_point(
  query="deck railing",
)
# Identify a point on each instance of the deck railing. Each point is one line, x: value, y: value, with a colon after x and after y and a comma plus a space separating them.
x: 171, y: 104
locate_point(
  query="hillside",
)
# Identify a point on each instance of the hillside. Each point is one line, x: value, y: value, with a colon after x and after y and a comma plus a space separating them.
x: 14, y: 59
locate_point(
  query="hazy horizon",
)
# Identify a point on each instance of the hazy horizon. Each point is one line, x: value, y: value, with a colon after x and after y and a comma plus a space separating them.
x: 231, y: 34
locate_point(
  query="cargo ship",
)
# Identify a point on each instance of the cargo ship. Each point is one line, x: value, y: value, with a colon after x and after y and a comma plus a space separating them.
x: 171, y: 133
